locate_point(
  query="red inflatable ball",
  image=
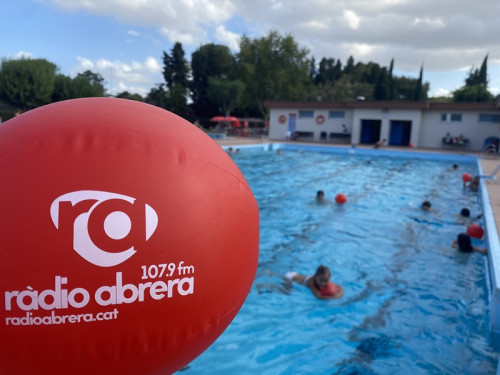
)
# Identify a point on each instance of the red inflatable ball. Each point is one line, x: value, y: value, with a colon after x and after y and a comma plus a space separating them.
x: 475, y: 231
x: 466, y: 177
x: 329, y: 290
x: 129, y: 240
x: 411, y: 145
x: 340, y: 198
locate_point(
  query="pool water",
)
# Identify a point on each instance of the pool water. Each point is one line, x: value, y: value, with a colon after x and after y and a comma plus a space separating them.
x: 412, y: 304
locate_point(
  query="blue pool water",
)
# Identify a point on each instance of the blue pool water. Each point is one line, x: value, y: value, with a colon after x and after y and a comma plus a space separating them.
x: 412, y: 304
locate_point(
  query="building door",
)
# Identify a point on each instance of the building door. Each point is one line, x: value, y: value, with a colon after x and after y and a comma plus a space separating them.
x: 400, y: 133
x: 370, y: 131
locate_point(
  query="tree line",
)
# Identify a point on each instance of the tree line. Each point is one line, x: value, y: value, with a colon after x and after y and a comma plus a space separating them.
x: 217, y: 82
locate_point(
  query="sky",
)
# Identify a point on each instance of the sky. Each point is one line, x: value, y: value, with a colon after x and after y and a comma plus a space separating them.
x: 124, y: 40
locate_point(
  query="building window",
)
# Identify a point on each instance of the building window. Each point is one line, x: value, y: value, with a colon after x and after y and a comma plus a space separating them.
x: 306, y: 114
x: 484, y: 117
x: 336, y: 114
x: 451, y: 117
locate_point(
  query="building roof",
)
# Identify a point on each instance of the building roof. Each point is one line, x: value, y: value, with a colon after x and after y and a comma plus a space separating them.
x: 382, y: 104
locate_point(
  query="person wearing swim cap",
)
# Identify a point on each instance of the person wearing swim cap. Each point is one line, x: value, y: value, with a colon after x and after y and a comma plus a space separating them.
x: 319, y: 283
x: 464, y: 244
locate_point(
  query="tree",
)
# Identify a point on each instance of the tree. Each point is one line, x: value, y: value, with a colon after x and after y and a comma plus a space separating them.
x: 84, y: 85
x: 476, y: 93
x: 417, y: 94
x: 476, y: 86
x: 381, y: 90
x: 175, y: 67
x: 272, y: 68
x: 392, y: 89
x: 157, y: 96
x: 88, y: 84
x: 224, y: 93
x: 210, y: 60
x: 175, y: 72
x: 27, y: 83
x: 130, y: 96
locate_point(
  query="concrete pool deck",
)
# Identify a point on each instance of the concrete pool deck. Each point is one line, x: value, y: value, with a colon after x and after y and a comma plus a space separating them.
x: 489, y: 196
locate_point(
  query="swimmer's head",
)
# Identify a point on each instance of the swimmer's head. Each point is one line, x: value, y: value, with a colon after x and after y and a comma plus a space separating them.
x: 426, y: 206
x: 464, y: 242
x: 455, y: 166
x: 320, y: 194
x: 322, y: 276
x: 465, y: 212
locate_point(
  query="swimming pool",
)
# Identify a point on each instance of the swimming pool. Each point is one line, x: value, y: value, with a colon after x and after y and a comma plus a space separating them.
x: 412, y: 304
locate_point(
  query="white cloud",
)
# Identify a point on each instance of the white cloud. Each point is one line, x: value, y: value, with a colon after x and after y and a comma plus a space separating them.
x: 432, y: 23
x: 232, y: 40
x: 133, y: 33
x: 351, y: 19
x: 440, y: 92
x: 21, y: 55
x: 444, y: 35
x: 134, y: 77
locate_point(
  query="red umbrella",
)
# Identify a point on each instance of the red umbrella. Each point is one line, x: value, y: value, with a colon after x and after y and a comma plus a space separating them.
x: 231, y: 119
x: 236, y: 123
x: 218, y: 118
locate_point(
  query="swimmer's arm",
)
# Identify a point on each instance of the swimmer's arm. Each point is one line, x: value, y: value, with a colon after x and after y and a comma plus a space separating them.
x: 454, y: 244
x: 478, y: 250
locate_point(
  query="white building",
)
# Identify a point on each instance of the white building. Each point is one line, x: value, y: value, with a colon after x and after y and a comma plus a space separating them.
x: 420, y: 124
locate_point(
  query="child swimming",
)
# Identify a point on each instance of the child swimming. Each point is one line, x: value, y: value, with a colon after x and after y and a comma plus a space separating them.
x: 319, y: 283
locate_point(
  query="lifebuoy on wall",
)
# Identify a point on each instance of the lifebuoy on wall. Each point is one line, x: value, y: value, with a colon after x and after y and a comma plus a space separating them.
x: 320, y: 119
x: 282, y: 119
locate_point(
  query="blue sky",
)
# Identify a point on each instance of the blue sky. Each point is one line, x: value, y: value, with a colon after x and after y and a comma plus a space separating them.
x: 124, y: 40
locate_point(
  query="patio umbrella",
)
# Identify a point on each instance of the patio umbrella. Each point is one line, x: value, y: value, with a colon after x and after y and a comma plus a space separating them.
x: 218, y: 118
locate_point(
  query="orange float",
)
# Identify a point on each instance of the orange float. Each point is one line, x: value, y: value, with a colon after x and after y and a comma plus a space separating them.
x: 340, y: 198
x: 282, y: 119
x: 129, y: 240
x: 475, y: 230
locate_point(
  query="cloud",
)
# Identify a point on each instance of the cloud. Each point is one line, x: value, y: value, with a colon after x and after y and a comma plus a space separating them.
x: 351, y: 19
x: 134, y: 77
x: 21, y: 55
x: 444, y: 35
x: 179, y: 21
x: 230, y: 39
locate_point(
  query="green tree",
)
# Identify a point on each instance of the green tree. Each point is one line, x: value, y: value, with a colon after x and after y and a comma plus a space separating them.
x: 84, y: 85
x: 328, y: 71
x: 130, y: 96
x: 88, y: 84
x: 224, y: 93
x: 381, y: 89
x: 476, y: 86
x: 175, y: 67
x: 175, y: 72
x: 342, y: 89
x: 157, y: 96
x: 476, y: 93
x: 27, y: 83
x: 417, y: 94
x: 392, y: 89
x: 272, y: 68
x: 210, y: 60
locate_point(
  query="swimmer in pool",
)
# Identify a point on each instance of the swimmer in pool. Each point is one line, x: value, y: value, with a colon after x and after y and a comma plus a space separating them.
x: 463, y: 243
x: 426, y: 206
x: 319, y: 283
x: 321, y: 199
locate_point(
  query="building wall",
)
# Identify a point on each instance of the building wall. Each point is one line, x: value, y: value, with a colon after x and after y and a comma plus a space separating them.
x: 427, y: 126
x: 434, y: 129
